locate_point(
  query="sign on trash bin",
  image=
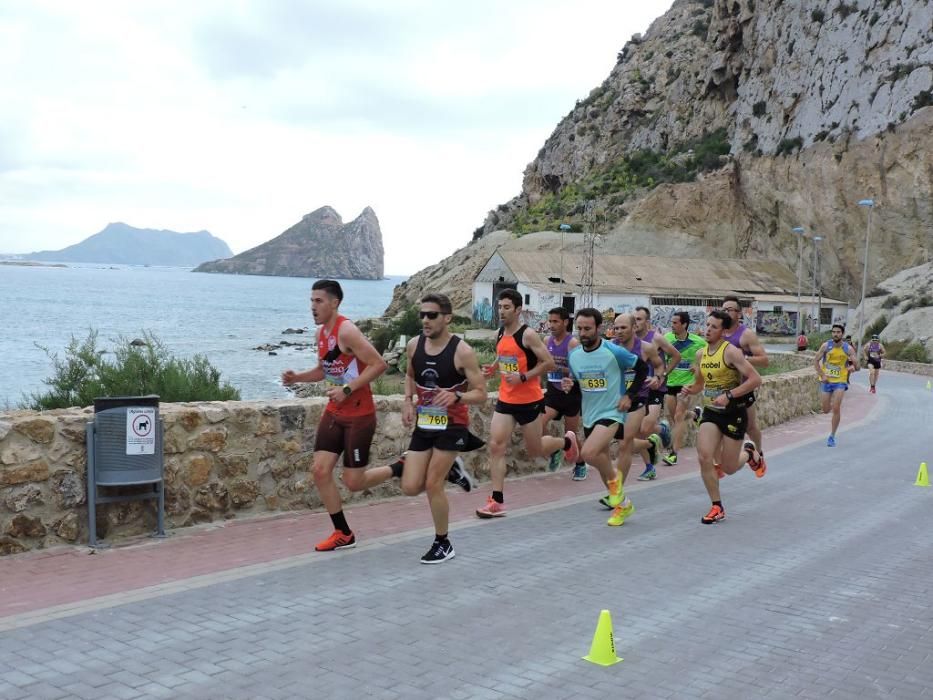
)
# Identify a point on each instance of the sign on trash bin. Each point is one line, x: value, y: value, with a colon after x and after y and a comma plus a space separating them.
x: 140, y: 431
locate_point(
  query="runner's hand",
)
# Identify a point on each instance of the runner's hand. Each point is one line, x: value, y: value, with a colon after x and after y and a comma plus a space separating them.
x: 444, y: 398
x: 489, y: 371
x: 566, y: 385
x: 289, y: 377
x: 336, y: 394
x: 654, y: 383
x: 625, y: 403
x: 722, y: 401
x: 408, y: 414
x: 512, y: 378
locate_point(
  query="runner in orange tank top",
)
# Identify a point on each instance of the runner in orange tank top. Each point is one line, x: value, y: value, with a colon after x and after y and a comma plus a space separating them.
x: 521, y: 360
x: 348, y: 362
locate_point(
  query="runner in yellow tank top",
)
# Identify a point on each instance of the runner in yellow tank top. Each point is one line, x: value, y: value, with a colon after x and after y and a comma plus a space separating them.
x: 718, y: 375
x: 832, y: 363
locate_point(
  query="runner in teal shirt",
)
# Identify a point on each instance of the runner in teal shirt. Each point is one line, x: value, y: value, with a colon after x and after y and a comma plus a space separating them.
x: 600, y: 371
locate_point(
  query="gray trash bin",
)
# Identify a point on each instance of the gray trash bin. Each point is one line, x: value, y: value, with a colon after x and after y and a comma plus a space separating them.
x: 124, y: 448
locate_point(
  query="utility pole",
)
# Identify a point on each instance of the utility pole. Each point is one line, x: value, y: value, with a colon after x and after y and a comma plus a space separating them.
x: 800, y: 234
x: 870, y: 203
x: 589, y: 244
x: 816, y: 316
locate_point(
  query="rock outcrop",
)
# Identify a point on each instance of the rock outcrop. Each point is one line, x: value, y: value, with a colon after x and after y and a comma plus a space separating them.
x: 903, y: 304
x: 732, y: 121
x: 320, y: 245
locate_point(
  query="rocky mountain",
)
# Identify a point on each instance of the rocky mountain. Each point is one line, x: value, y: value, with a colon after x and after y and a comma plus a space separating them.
x: 120, y: 243
x: 320, y: 245
x: 902, y: 306
x: 732, y: 121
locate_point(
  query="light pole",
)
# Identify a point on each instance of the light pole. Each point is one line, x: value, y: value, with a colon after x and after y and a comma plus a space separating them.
x: 870, y: 203
x: 816, y: 316
x: 563, y: 229
x: 800, y: 234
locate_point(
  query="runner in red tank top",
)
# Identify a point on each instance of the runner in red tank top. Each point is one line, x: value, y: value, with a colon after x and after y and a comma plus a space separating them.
x: 522, y: 359
x: 348, y: 363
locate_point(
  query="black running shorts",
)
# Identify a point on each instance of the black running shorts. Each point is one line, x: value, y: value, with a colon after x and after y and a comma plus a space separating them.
x: 620, y: 431
x: 731, y: 422
x: 523, y: 413
x: 565, y: 404
x: 656, y: 397
x: 351, y: 436
x: 874, y: 364
x: 454, y: 439
x: 674, y: 390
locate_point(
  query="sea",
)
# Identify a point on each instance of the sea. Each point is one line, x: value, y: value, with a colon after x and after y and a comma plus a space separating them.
x: 223, y: 317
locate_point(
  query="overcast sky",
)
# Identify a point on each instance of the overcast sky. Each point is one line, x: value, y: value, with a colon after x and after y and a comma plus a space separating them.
x: 241, y: 117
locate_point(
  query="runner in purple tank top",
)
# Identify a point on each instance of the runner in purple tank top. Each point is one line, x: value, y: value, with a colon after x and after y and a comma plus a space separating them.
x: 872, y: 355
x: 670, y: 356
x: 747, y: 341
x: 557, y: 402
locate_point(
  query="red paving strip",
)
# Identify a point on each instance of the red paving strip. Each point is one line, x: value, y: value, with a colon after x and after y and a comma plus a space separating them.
x: 37, y: 580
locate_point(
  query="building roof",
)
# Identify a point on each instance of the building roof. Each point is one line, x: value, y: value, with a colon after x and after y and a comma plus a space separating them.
x: 792, y: 299
x: 644, y: 274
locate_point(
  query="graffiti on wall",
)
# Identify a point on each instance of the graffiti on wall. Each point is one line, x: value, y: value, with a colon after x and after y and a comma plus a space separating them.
x: 482, y: 311
x: 777, y: 322
x: 661, y: 316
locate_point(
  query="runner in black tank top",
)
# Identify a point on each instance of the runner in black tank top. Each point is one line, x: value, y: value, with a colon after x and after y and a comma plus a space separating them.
x: 443, y: 377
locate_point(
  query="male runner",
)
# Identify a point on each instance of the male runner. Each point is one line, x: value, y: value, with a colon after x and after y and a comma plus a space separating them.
x: 746, y: 340
x: 600, y: 366
x: 624, y: 326
x: 725, y: 377
x: 873, y: 353
x: 521, y: 360
x: 653, y: 423
x: 443, y: 378
x: 348, y: 363
x: 832, y: 367
x: 557, y: 402
x: 675, y: 402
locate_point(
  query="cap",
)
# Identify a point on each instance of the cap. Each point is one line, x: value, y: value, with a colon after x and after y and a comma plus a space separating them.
x: 874, y: 337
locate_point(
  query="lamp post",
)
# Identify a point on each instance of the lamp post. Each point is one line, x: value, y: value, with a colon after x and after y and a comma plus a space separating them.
x: 816, y: 316
x: 563, y: 229
x: 870, y: 203
x: 800, y: 234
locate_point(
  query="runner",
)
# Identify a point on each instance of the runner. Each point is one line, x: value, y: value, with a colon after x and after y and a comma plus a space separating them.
x: 675, y: 402
x: 599, y: 367
x: 632, y: 442
x: 832, y: 367
x: 443, y: 378
x: 521, y: 359
x: 747, y: 341
x: 873, y: 354
x: 653, y: 423
x: 557, y: 402
x: 348, y: 363
x: 725, y: 377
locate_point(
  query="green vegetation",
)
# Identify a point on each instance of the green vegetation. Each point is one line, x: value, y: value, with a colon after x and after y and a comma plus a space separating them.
x: 891, y: 302
x: 408, y: 324
x: 918, y: 302
x: 84, y: 374
x: 877, y: 292
x: 874, y: 328
x: 906, y: 351
x: 789, y: 146
x: 818, y: 16
x: 617, y: 180
x: 922, y: 99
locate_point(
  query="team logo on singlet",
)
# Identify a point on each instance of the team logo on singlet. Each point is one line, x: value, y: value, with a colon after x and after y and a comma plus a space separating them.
x: 331, y: 342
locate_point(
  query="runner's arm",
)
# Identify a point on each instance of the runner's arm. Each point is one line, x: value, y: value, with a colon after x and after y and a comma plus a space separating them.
x: 751, y: 343
x: 654, y: 358
x: 698, y: 380
x: 352, y: 340
x: 312, y: 375
x: 673, y: 354
x: 881, y: 350
x: 737, y: 359
x: 465, y: 361
x: 546, y: 363
x: 818, y: 360
x: 853, y: 358
x: 411, y: 388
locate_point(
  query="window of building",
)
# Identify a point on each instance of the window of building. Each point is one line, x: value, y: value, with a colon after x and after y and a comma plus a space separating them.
x: 826, y: 315
x: 527, y: 299
x: 778, y: 309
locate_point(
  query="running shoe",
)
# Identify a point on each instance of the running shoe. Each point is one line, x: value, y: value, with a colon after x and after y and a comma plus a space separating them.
x: 664, y: 429
x: 604, y: 502
x: 670, y: 460
x: 460, y: 476
x: 716, y: 513
x: 337, y: 540
x: 697, y: 414
x: 649, y: 474
x: 492, y: 509
x: 439, y: 552
x: 755, y: 461
x: 831, y: 441
x: 620, y: 513
x: 579, y: 472
x: 872, y: 390
x: 572, y: 453
x: 553, y: 463
x: 654, y: 444
x: 615, y: 492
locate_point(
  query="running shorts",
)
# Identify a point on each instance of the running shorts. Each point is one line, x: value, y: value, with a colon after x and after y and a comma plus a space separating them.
x: 656, y: 397
x: 523, y: 413
x: 731, y: 423
x: 455, y: 438
x: 566, y: 404
x: 876, y: 364
x: 352, y: 436
x: 620, y: 431
x: 829, y: 388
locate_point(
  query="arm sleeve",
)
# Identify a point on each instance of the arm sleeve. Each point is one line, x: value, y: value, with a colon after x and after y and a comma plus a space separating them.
x: 641, y: 373
x: 573, y: 372
x: 627, y: 360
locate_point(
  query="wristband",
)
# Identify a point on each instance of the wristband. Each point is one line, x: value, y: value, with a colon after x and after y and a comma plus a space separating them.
x: 458, y: 395
x: 523, y: 377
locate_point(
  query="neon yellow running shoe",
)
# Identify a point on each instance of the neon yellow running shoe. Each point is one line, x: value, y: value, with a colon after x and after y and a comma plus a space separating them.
x: 615, y: 493
x: 620, y: 513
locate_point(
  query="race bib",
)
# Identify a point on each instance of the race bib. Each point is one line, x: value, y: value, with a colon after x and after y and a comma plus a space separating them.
x: 334, y: 380
x: 555, y: 376
x: 593, y: 381
x: 508, y: 363
x: 831, y: 370
x: 629, y: 377
x: 432, y: 418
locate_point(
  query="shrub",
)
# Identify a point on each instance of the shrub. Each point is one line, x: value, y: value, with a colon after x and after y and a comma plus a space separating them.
x: 918, y: 303
x: 906, y: 351
x: 818, y: 16
x: 922, y: 99
x: 84, y: 375
x: 891, y: 302
x: 789, y: 146
x: 879, y: 325
x: 759, y: 108
x: 876, y: 292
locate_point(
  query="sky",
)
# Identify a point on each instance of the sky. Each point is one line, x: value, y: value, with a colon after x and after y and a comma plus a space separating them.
x: 240, y: 117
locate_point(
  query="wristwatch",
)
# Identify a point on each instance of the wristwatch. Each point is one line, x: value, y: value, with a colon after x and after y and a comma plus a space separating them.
x: 523, y: 377
x: 459, y: 396
x: 730, y: 396
x: 347, y: 390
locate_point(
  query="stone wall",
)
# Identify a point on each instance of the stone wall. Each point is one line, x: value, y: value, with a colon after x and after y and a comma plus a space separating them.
x: 229, y: 459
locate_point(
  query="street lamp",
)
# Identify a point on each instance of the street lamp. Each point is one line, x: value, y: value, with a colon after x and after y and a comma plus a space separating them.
x: 800, y: 234
x: 816, y: 240
x: 563, y: 228
x: 870, y: 203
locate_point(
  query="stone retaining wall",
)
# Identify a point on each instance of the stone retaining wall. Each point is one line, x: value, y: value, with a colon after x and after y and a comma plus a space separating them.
x: 230, y: 459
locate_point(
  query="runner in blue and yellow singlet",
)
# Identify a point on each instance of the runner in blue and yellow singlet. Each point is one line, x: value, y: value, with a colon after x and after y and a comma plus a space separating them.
x: 832, y: 363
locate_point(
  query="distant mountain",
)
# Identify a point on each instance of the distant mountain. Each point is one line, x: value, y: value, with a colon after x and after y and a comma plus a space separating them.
x: 320, y: 245
x: 123, y: 244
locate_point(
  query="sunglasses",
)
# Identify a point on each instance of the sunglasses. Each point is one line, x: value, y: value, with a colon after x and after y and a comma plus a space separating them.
x: 429, y: 314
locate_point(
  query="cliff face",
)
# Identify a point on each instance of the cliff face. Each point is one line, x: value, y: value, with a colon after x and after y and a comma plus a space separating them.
x: 732, y: 121
x: 320, y: 245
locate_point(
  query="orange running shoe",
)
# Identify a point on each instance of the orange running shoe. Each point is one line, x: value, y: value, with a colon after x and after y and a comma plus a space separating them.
x: 756, y: 460
x: 492, y: 509
x: 716, y: 513
x: 337, y: 540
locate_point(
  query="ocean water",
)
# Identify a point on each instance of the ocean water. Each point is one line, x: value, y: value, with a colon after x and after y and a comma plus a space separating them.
x: 221, y: 316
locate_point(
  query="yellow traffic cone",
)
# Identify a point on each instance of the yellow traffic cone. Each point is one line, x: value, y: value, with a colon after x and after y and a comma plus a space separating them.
x: 929, y: 385
x: 923, y: 478
x: 603, y: 648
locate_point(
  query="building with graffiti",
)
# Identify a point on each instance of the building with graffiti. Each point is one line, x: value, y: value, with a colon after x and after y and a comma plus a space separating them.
x: 547, y: 279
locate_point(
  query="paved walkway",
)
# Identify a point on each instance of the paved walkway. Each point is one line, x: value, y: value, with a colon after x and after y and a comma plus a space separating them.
x: 817, y: 582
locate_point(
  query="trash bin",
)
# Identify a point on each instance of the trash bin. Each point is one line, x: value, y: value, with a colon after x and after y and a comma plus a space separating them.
x: 124, y: 448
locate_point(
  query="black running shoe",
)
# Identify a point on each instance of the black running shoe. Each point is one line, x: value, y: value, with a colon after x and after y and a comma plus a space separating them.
x: 460, y: 476
x: 440, y: 551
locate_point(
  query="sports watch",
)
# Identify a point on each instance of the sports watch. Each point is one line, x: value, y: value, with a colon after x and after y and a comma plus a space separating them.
x: 347, y: 390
